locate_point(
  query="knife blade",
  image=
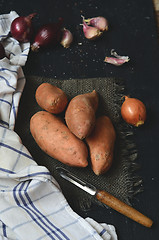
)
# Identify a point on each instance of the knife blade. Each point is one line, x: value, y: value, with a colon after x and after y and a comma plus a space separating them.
x: 106, y: 198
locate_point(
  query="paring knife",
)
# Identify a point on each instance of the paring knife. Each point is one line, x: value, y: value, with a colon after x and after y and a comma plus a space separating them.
x: 106, y: 198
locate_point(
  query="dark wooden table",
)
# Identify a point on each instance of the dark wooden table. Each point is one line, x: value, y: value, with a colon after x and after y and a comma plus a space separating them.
x: 133, y: 32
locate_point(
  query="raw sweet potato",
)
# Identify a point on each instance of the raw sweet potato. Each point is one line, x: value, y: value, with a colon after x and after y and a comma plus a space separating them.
x: 101, y: 145
x: 80, y: 114
x: 51, y: 98
x: 55, y: 139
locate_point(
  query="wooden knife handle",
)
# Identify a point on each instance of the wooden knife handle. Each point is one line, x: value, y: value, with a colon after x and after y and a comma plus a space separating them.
x: 123, y: 208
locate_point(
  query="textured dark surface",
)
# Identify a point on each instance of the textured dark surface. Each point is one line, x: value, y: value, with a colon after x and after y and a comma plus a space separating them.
x: 132, y: 32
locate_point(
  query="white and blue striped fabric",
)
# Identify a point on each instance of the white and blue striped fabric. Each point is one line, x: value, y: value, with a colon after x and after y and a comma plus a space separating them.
x: 32, y: 205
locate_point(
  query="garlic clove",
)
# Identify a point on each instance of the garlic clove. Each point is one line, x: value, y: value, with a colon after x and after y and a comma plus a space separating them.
x: 67, y: 38
x: 90, y: 32
x: 99, y: 22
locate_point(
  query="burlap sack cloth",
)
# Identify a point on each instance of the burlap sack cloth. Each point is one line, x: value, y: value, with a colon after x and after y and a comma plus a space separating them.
x: 121, y: 179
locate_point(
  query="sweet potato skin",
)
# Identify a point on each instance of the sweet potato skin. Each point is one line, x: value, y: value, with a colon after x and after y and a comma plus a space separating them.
x: 101, y: 145
x: 56, y: 140
x: 80, y: 114
x: 51, y: 98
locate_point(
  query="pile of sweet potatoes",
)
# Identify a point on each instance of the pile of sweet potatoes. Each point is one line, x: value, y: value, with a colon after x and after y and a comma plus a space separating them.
x: 79, y: 134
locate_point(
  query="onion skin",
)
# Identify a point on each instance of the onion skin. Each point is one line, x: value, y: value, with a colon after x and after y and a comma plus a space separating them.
x: 133, y: 111
x: 21, y: 28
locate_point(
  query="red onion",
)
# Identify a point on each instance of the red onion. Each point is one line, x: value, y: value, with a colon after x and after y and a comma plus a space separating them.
x: 48, y: 34
x: 21, y: 28
x: 133, y: 111
x: 99, y: 22
x: 90, y: 33
x: 67, y: 38
x: 2, y: 51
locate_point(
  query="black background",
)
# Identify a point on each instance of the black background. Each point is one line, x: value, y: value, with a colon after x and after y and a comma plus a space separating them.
x: 132, y: 32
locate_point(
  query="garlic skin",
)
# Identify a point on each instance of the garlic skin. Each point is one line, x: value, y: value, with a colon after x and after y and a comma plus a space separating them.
x: 116, y: 60
x: 67, y: 38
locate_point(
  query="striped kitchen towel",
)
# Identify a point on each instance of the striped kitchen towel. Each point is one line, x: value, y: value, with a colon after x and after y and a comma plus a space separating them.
x: 32, y: 205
